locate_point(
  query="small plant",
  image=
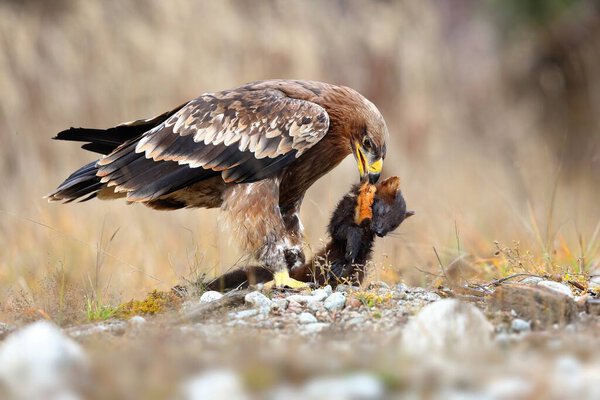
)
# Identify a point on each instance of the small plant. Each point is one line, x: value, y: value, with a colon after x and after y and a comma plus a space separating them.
x: 96, y: 311
x: 370, y: 299
x: 154, y: 303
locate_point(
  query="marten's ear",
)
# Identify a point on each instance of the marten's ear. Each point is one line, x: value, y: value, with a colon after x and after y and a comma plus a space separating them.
x: 388, y: 189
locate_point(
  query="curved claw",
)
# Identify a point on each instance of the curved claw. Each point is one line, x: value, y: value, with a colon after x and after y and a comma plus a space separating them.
x: 282, y: 279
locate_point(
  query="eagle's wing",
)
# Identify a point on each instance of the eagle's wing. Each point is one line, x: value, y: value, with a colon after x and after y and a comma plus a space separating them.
x: 245, y: 135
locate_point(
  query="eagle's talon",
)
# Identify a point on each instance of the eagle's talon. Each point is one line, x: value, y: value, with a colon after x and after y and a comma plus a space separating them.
x: 282, y: 279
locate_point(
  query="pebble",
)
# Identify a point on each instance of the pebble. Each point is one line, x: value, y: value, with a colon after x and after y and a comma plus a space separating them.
x: 5, y: 329
x: 210, y: 296
x: 362, y: 386
x: 219, y: 384
x: 328, y: 289
x: 282, y: 304
x: 378, y: 285
x: 356, y: 321
x: 319, y: 294
x: 259, y: 300
x: 346, y: 288
x: 447, y: 326
x: 306, y: 318
x: 116, y: 328
x: 41, y: 362
x: 244, y: 313
x: 335, y: 301
x: 557, y: 287
x: 509, y: 388
x: 353, y: 302
x: 294, y: 306
x: 302, y: 298
x: 316, y: 306
x: 531, y: 280
x: 315, y: 327
x: 520, y: 325
x: 137, y: 321
x: 430, y: 296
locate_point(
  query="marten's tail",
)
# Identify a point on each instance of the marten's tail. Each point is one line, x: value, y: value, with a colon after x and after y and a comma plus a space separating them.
x: 240, y: 278
x: 83, y: 184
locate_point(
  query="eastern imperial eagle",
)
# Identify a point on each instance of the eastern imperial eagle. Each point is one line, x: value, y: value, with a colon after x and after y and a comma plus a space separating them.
x: 253, y: 151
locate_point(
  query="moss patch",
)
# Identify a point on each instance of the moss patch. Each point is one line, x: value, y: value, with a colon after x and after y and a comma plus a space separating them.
x: 154, y: 303
x: 371, y: 299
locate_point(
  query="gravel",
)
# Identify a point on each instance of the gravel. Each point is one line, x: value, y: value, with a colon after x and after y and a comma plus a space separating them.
x: 335, y: 301
x: 307, y: 318
x: 259, y: 300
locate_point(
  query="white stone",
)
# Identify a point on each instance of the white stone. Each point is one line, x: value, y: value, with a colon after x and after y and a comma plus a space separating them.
x: 557, y: 287
x: 210, y: 296
x: 244, y: 314
x: 335, y: 301
x: 281, y: 304
x: 258, y: 300
x: 447, y: 326
x: 319, y: 294
x: 520, y: 325
x: 531, y: 280
x: 40, y: 362
x: 214, y: 385
x: 509, y: 388
x: 314, y: 327
x: 137, y: 320
x: 301, y: 298
x: 430, y: 296
x: 328, y: 289
x: 356, y: 386
x: 306, y: 318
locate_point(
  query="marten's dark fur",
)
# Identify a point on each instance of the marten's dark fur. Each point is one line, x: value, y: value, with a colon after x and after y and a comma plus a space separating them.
x: 365, y: 212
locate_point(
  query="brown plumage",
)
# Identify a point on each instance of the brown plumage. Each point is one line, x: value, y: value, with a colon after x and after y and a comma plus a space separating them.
x: 365, y: 212
x: 253, y: 151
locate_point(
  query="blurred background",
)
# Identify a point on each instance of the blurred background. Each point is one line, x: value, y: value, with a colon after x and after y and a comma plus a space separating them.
x: 493, y: 109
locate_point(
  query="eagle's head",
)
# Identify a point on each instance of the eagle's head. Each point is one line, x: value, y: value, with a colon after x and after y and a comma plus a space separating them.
x: 369, y: 142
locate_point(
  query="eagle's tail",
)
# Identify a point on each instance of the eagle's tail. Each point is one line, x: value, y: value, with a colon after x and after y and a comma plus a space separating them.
x: 84, y: 184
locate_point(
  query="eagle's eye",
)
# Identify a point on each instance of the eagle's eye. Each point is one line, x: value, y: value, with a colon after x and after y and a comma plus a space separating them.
x: 367, y: 144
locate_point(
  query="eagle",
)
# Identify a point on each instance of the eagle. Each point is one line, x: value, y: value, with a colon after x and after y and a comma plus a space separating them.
x: 253, y: 151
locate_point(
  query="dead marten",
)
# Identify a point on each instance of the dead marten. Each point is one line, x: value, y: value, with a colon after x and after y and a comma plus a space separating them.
x: 365, y: 212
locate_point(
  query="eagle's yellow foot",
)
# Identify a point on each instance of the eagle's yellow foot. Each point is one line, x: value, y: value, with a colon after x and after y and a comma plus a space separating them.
x: 282, y: 279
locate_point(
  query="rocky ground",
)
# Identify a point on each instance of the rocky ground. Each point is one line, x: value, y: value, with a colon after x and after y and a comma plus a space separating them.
x: 507, y: 340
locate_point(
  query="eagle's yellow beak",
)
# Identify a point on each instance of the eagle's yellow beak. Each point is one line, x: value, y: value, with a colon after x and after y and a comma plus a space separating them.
x: 367, y: 166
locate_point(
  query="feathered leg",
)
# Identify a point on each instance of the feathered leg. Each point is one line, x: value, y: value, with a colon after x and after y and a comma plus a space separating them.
x: 253, y: 214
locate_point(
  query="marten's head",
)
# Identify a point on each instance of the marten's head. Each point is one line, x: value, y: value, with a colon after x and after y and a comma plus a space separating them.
x: 383, y: 204
x: 389, y: 207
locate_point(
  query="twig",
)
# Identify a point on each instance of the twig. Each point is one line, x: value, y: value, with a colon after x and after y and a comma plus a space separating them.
x: 496, y: 282
x: 202, y: 311
x: 440, y: 262
x: 428, y: 273
x: 578, y: 285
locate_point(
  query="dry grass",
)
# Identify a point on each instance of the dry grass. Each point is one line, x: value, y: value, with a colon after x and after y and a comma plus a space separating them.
x: 471, y: 152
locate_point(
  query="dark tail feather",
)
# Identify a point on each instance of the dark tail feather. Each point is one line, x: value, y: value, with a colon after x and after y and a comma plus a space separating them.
x: 104, y: 141
x: 81, y: 183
